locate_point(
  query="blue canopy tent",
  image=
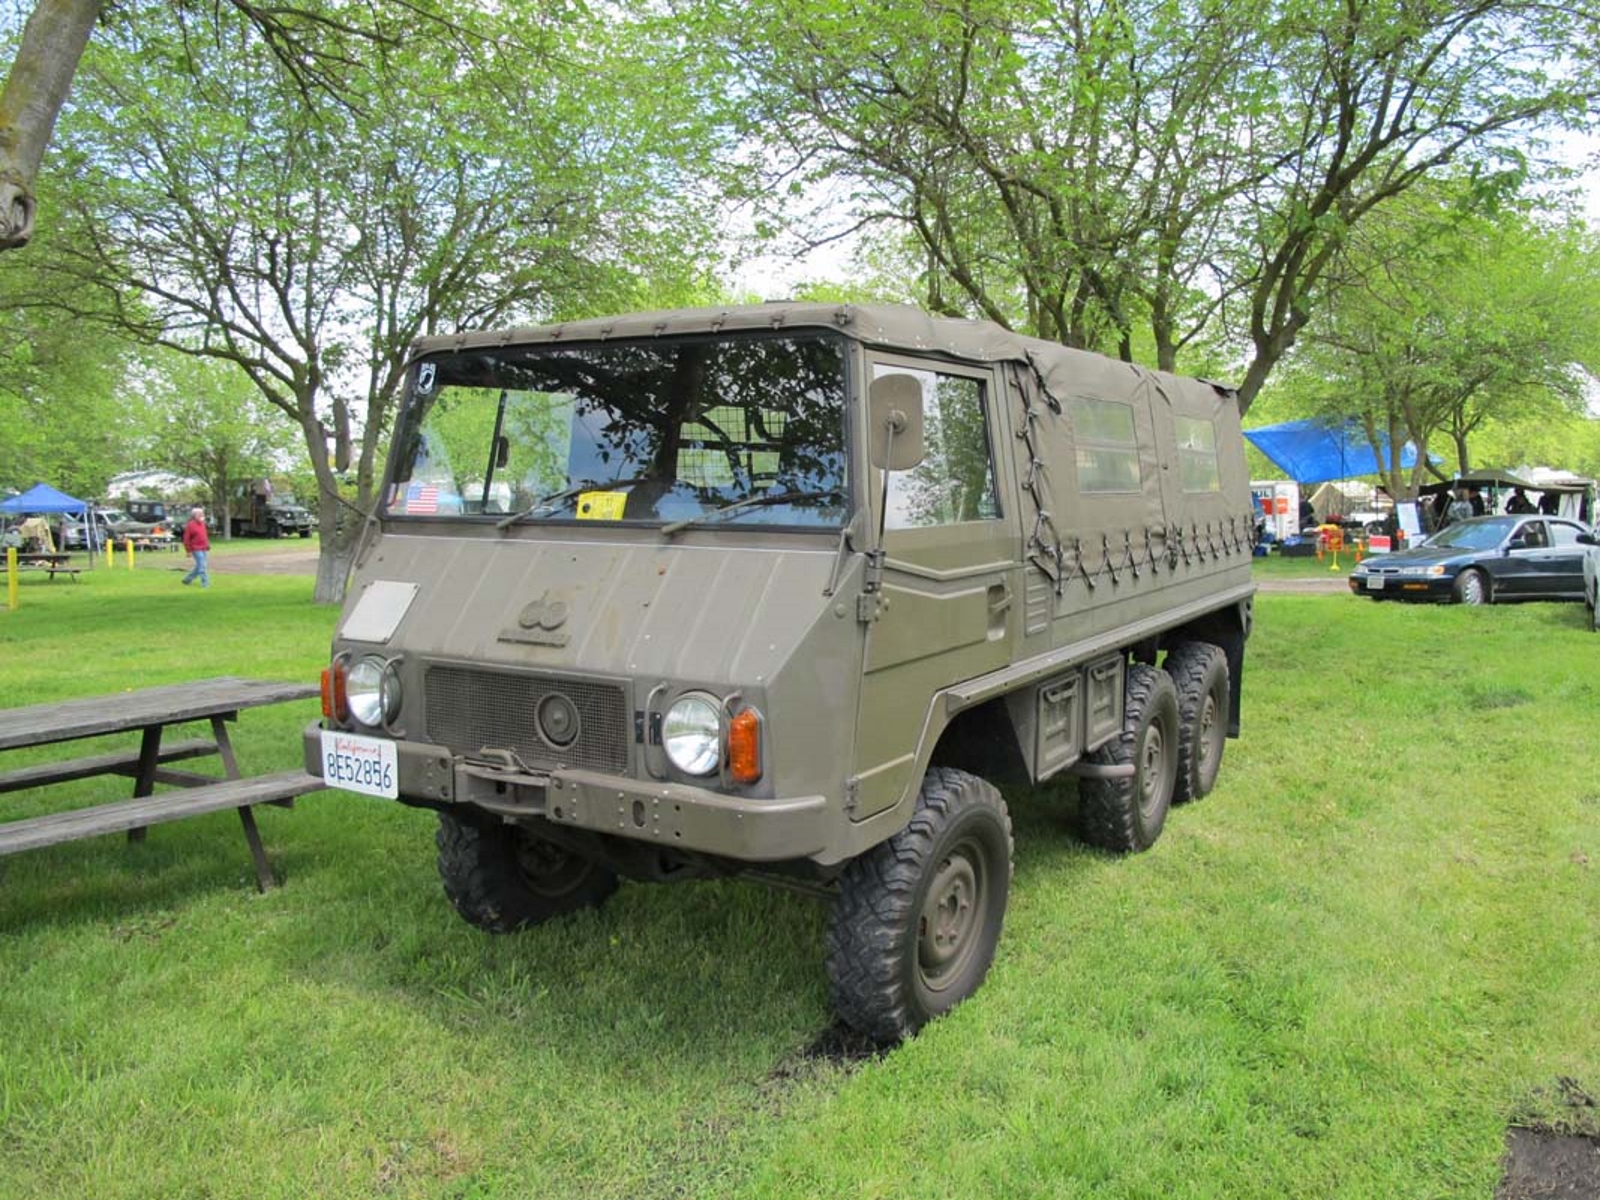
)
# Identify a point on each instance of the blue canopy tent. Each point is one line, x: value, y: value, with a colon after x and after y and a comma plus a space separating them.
x: 42, y: 498
x: 1317, y: 450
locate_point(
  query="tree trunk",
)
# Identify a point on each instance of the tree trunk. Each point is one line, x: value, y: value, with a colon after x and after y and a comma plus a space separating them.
x: 37, y: 87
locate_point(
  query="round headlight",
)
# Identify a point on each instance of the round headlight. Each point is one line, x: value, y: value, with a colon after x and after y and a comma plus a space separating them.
x: 372, y: 689
x: 692, y: 733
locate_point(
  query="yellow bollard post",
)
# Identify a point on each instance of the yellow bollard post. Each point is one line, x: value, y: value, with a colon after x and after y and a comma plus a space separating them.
x: 128, y: 542
x: 11, y: 578
x: 111, y: 559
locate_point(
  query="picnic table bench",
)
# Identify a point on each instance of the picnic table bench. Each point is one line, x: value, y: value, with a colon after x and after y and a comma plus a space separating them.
x: 151, y: 711
x: 53, y: 562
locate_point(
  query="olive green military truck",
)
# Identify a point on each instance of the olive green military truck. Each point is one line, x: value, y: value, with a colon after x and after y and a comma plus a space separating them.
x: 781, y: 591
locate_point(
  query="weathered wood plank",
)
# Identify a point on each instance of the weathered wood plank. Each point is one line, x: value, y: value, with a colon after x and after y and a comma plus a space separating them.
x: 43, y: 724
x: 36, y: 832
x: 116, y: 763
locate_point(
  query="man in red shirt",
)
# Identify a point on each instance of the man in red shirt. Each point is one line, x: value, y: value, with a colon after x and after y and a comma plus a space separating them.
x: 197, y: 543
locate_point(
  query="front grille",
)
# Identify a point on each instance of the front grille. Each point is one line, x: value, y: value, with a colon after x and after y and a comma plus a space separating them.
x: 470, y: 710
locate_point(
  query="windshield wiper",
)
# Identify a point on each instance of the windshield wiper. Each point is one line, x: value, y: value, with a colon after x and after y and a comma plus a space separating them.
x: 757, y: 501
x: 568, y: 493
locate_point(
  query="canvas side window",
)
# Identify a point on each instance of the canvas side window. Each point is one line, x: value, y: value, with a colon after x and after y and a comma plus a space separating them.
x: 1197, y: 454
x: 1108, y: 448
x: 955, y: 480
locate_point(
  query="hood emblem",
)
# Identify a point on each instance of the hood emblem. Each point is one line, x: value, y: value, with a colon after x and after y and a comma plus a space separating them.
x: 537, y: 624
x: 543, y: 613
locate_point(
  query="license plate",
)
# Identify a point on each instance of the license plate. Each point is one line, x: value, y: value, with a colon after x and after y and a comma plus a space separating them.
x: 1374, y: 583
x: 360, y: 764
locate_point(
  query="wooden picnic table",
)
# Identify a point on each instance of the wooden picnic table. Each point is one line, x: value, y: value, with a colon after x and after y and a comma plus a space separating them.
x: 151, y: 711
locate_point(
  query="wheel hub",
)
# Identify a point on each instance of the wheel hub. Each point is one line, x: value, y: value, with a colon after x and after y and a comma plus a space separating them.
x: 949, y: 917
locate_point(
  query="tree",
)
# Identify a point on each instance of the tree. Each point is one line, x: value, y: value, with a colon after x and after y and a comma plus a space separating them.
x: 1158, y: 171
x: 64, y: 398
x: 466, y: 181
x: 208, y: 421
x: 314, y: 48
x: 1448, y: 323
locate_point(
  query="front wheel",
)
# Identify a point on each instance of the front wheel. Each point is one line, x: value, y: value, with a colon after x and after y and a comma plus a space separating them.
x: 506, y: 877
x: 918, y: 917
x: 1472, y: 588
x: 1127, y: 812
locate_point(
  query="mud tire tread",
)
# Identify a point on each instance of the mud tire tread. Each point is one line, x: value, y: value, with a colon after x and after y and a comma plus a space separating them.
x: 1196, y: 669
x: 482, y: 879
x: 1108, y: 809
x: 872, y: 929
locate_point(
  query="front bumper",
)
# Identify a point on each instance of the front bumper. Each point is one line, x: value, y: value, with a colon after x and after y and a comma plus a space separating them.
x: 674, y: 815
x: 1403, y: 587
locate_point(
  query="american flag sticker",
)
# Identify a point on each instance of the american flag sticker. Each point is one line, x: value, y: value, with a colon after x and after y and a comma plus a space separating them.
x: 422, y: 498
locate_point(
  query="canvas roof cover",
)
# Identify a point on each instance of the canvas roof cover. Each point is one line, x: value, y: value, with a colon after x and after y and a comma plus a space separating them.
x: 1316, y: 450
x: 42, y: 498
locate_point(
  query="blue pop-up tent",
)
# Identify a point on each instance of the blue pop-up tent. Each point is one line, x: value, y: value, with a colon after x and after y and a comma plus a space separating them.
x: 42, y: 498
x: 1316, y: 450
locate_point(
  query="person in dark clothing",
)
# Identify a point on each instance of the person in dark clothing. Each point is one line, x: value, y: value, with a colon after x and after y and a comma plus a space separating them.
x: 1519, y: 502
x: 1550, y: 503
x: 1475, y: 498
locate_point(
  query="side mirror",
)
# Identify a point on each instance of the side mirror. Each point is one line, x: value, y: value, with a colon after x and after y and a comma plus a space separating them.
x: 1588, y: 539
x: 1517, y: 543
x: 894, y: 411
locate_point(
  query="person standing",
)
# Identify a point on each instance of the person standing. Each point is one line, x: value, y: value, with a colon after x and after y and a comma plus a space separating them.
x: 198, y: 543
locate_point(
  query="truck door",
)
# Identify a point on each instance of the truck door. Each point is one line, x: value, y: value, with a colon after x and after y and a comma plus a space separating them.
x: 951, y: 571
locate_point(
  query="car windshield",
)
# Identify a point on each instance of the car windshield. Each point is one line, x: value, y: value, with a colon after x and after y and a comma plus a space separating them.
x: 664, y: 431
x: 1483, y: 534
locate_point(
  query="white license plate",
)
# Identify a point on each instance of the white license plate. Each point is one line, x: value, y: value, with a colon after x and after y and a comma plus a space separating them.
x: 1374, y: 584
x: 360, y: 764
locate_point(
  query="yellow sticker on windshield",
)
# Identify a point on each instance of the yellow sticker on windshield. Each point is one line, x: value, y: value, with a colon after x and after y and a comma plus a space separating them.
x: 601, y: 506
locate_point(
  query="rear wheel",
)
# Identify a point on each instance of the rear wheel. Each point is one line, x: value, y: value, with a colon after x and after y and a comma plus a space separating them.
x: 1127, y: 812
x: 1472, y: 588
x: 506, y: 877
x: 1199, y: 671
x: 918, y: 917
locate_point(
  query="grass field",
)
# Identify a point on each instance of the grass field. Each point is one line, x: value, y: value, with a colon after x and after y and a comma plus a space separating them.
x: 1341, y: 975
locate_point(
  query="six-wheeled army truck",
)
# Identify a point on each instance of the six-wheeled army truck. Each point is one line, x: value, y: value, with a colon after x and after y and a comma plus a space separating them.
x: 780, y: 590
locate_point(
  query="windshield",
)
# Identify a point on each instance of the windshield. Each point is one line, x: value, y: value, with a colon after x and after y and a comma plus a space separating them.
x: 1472, y: 535
x: 665, y: 431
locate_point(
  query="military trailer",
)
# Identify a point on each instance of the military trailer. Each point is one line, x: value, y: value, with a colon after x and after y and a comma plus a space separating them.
x: 781, y: 591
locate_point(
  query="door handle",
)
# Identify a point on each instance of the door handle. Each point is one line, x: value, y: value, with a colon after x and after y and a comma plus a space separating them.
x: 999, y: 599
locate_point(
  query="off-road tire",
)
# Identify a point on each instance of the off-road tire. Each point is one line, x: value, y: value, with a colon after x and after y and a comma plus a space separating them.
x: 1199, y: 671
x: 505, y: 877
x: 1472, y: 588
x: 1127, y: 814
x: 918, y: 917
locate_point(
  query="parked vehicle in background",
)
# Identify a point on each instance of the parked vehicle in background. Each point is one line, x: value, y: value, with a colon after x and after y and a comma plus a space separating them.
x: 1482, y: 560
x: 258, y: 513
x: 1591, y: 576
x: 151, y: 512
x: 781, y: 591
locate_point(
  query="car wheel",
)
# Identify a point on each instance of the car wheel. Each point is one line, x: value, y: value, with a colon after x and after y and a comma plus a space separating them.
x: 1472, y: 588
x: 1127, y: 812
x: 918, y: 917
x: 506, y: 877
x: 1199, y: 671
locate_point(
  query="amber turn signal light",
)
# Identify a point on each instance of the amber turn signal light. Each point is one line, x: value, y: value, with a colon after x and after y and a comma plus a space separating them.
x: 744, y: 747
x: 334, y: 704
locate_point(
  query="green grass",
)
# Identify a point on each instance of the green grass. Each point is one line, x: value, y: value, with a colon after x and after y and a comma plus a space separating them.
x: 1341, y: 975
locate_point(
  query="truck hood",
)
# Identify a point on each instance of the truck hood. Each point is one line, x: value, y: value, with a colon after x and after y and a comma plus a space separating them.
x: 713, y: 614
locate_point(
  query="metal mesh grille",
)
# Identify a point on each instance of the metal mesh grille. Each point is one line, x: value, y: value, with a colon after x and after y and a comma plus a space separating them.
x: 469, y: 710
